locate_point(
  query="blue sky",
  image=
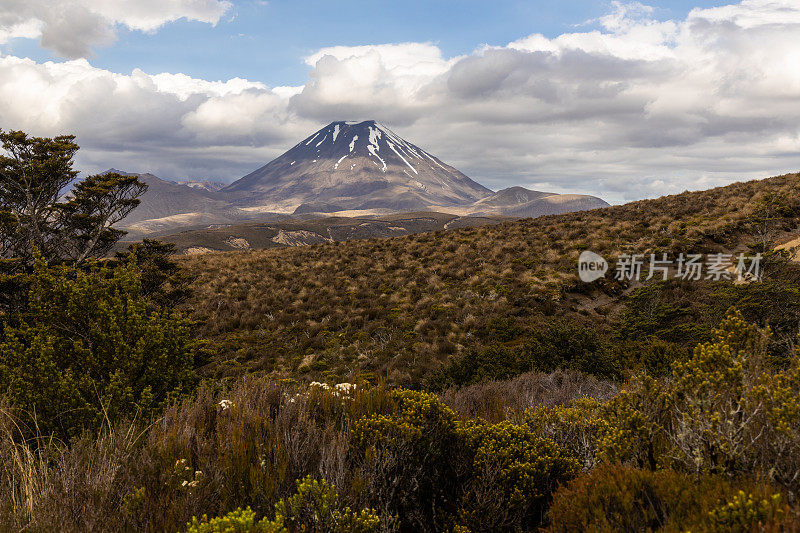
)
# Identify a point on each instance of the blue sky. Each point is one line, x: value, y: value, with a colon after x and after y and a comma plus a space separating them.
x: 623, y: 99
x: 267, y: 40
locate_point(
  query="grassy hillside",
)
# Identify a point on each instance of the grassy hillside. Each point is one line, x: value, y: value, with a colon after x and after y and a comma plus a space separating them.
x: 554, y: 405
x: 400, y: 308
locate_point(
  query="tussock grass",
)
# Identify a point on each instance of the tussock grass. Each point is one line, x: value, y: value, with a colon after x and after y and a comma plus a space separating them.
x: 398, y: 308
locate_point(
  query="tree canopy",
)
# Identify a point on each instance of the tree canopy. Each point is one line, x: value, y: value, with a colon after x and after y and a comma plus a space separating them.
x: 45, y: 210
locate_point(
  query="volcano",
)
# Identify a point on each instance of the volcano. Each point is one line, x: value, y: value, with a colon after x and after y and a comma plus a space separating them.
x: 354, y: 166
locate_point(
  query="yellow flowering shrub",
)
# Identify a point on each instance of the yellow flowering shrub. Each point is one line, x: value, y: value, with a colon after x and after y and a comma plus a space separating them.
x: 744, y: 512
x: 576, y: 427
x: 437, y: 471
x: 315, y: 507
x: 723, y: 411
x: 514, y: 472
x: 615, y: 498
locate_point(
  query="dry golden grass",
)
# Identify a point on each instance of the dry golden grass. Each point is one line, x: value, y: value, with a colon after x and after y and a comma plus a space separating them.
x: 399, y: 307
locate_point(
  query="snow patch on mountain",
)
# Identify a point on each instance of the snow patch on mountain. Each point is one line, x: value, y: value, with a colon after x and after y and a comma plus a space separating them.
x: 403, y: 158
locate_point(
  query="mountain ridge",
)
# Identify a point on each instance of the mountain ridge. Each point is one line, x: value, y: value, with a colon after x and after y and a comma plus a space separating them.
x: 345, y: 168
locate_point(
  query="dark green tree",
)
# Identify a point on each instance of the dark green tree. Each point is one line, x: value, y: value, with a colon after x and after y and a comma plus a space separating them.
x: 163, y: 280
x: 43, y: 209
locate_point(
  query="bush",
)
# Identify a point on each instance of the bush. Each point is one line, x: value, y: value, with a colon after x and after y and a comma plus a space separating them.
x: 408, y: 460
x: 314, y: 508
x: 745, y: 511
x: 434, y: 471
x: 619, y: 498
x: 725, y: 411
x: 576, y: 427
x: 570, y: 346
x: 238, y: 521
x: 513, y: 473
x: 552, y: 346
x: 92, y: 348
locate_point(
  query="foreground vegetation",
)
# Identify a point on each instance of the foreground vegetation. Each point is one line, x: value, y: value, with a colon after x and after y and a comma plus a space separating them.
x: 458, y: 381
x: 714, y: 447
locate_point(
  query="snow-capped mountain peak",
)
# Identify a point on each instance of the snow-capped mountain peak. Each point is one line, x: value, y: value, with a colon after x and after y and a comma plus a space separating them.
x: 357, y: 165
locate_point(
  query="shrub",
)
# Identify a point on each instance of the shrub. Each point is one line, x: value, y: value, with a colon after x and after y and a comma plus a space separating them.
x: 550, y: 347
x: 723, y: 412
x: 570, y: 346
x: 744, y: 512
x: 576, y: 427
x: 90, y: 348
x: 619, y: 498
x: 513, y: 473
x: 407, y: 460
x: 433, y: 471
x: 238, y: 521
x: 314, y: 508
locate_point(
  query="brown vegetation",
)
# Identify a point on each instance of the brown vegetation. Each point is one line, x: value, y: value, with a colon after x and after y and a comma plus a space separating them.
x: 398, y: 308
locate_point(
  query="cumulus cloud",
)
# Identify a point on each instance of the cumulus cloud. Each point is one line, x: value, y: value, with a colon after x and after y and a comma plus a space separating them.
x: 171, y: 124
x: 637, y: 108
x: 353, y: 81
x: 72, y: 27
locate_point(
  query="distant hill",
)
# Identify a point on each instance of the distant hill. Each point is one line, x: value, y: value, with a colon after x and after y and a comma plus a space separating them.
x: 168, y: 205
x: 510, y: 197
x: 344, y: 169
x: 520, y: 202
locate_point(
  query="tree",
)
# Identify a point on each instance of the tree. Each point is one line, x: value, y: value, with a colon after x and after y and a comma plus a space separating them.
x: 41, y: 208
x: 163, y: 280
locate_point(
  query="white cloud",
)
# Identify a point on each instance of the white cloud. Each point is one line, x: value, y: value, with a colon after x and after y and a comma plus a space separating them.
x: 26, y: 29
x: 751, y: 13
x: 72, y: 27
x: 354, y: 81
x: 170, y: 124
x: 639, y: 108
x: 184, y: 86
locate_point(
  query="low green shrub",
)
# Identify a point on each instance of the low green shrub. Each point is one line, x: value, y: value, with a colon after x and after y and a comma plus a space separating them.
x: 92, y: 348
x: 314, y: 508
x: 512, y: 474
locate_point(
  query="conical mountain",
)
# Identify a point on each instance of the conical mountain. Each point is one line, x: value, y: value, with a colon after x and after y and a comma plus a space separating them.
x: 354, y: 166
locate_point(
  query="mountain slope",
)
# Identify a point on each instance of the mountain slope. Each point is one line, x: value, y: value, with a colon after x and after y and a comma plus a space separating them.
x: 400, y: 307
x: 525, y: 203
x: 350, y: 166
x: 166, y: 205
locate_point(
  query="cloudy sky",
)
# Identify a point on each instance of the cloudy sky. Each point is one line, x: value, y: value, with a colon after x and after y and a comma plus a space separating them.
x: 623, y: 100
